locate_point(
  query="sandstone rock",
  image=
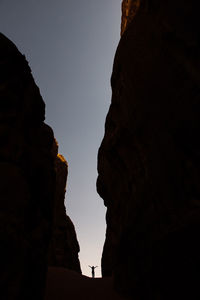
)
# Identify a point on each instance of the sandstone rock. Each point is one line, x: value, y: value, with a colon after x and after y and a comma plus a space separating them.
x: 129, y: 10
x: 148, y: 162
x: 27, y: 179
x: 31, y: 185
x: 64, y: 247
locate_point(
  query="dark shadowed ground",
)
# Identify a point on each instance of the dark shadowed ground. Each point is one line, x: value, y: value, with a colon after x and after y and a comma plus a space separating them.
x: 64, y: 284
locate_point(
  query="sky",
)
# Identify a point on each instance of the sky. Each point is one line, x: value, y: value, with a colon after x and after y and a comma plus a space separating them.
x: 70, y: 47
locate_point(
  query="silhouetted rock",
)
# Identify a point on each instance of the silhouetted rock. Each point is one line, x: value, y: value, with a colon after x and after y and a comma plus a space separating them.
x: 27, y: 179
x: 29, y: 185
x: 148, y: 162
x: 64, y: 247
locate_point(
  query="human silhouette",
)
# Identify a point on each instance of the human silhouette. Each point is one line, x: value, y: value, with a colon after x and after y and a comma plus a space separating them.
x: 93, y: 270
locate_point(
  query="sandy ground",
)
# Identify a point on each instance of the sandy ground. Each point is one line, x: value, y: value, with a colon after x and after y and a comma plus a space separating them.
x: 63, y: 284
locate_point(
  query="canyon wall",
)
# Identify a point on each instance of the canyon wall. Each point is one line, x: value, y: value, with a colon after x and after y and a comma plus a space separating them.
x: 64, y: 247
x: 129, y: 10
x: 29, y: 180
x: 148, y: 162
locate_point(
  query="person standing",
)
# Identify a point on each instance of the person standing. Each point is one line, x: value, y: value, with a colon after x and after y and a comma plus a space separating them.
x: 93, y: 270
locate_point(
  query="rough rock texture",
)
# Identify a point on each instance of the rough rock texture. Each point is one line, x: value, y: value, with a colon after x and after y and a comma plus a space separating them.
x: 64, y: 247
x: 129, y: 10
x: 28, y: 184
x: 148, y: 162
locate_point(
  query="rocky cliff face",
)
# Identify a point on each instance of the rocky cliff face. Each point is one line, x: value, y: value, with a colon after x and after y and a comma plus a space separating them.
x: 129, y: 10
x: 148, y: 162
x: 64, y: 247
x: 28, y: 185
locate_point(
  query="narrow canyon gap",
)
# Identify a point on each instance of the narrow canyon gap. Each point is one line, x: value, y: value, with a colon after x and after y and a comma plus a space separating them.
x: 69, y: 46
x: 148, y: 165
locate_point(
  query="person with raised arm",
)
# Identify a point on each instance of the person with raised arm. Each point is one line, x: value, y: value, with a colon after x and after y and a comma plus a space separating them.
x: 93, y: 270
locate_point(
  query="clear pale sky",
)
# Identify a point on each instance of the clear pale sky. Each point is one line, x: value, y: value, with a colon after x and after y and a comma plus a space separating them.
x: 70, y: 46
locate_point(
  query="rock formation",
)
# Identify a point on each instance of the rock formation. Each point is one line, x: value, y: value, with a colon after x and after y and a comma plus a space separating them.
x: 64, y: 247
x: 29, y: 184
x: 148, y: 162
x: 129, y: 10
